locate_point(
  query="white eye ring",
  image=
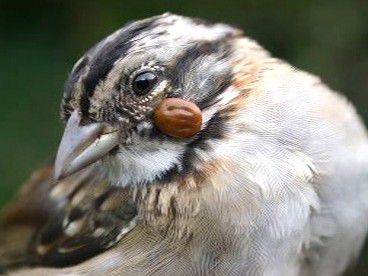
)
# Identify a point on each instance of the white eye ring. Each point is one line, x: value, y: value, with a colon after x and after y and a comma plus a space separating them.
x: 144, y: 82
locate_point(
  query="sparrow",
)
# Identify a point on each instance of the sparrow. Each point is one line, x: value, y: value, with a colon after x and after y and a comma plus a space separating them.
x: 190, y: 150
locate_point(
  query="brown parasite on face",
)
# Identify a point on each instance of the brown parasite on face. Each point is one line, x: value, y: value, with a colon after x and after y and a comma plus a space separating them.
x: 178, y: 118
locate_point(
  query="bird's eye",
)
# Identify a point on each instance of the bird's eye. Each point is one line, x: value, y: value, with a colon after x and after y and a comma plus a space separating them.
x: 144, y: 82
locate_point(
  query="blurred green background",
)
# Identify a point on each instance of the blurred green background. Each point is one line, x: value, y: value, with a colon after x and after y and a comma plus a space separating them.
x: 40, y: 41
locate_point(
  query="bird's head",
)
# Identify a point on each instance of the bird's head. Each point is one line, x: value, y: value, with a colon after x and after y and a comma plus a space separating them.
x: 111, y: 100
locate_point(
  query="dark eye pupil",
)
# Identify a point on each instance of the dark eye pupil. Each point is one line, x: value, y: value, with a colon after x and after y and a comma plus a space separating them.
x: 144, y: 82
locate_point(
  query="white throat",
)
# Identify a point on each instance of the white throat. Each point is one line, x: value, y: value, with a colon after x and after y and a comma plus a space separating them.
x: 143, y: 162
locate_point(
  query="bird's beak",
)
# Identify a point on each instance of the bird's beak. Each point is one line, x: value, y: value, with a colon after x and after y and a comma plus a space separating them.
x: 83, y: 145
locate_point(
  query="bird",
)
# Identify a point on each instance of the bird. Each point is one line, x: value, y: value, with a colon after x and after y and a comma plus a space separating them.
x: 189, y: 149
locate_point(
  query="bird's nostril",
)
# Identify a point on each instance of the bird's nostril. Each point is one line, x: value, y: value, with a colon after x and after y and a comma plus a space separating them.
x: 84, y: 121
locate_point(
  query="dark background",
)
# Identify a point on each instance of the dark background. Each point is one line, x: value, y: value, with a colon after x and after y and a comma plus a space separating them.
x: 40, y: 41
